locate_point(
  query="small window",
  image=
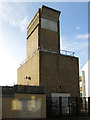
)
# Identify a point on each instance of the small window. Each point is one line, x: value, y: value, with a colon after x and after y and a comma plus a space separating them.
x: 16, y: 104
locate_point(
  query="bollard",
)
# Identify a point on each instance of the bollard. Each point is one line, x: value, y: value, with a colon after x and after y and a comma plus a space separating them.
x: 60, y: 106
x: 88, y: 106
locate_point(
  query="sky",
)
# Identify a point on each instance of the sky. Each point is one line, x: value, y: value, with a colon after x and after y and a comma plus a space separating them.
x: 14, y: 19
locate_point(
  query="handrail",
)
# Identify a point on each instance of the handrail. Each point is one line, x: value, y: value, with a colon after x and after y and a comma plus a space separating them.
x: 64, y: 52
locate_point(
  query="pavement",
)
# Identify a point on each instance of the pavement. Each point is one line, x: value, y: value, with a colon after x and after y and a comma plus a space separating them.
x: 62, y: 118
x: 72, y: 118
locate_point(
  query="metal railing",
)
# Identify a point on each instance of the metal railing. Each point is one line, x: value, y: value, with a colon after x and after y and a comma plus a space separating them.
x: 68, y: 53
x: 57, y: 107
x: 29, y: 57
x: 63, y: 52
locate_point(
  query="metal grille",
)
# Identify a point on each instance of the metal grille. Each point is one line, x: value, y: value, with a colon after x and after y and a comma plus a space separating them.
x: 67, y: 106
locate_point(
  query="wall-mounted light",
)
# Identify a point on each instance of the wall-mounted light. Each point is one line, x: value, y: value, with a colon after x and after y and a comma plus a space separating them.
x: 61, y: 87
x: 29, y: 78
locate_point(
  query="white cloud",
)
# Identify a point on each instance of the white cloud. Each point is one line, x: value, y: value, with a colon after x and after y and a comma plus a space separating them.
x: 8, y: 67
x: 14, y: 14
x: 63, y: 38
x: 82, y: 36
x: 78, y: 28
x: 23, y: 23
x: 67, y: 44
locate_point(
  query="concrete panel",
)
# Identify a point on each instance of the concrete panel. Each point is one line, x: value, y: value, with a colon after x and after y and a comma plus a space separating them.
x: 49, y: 39
x: 29, y: 68
x: 7, y: 111
x: 49, y: 13
x: 59, y: 74
x: 34, y: 22
x: 32, y: 43
x: 7, y: 103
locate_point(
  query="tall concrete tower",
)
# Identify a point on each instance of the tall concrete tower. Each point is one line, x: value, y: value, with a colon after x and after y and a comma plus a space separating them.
x: 45, y: 65
x: 43, y: 31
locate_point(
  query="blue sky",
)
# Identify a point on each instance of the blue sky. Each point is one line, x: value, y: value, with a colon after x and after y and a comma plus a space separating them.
x: 14, y: 19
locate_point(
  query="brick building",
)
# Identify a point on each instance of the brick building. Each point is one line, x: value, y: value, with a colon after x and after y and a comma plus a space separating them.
x: 45, y: 71
x: 45, y: 65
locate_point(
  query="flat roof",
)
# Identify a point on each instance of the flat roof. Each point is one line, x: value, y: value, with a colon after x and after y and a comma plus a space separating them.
x: 43, y: 6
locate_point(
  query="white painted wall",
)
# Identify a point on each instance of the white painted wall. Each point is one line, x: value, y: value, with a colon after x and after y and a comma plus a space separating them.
x: 86, y: 78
